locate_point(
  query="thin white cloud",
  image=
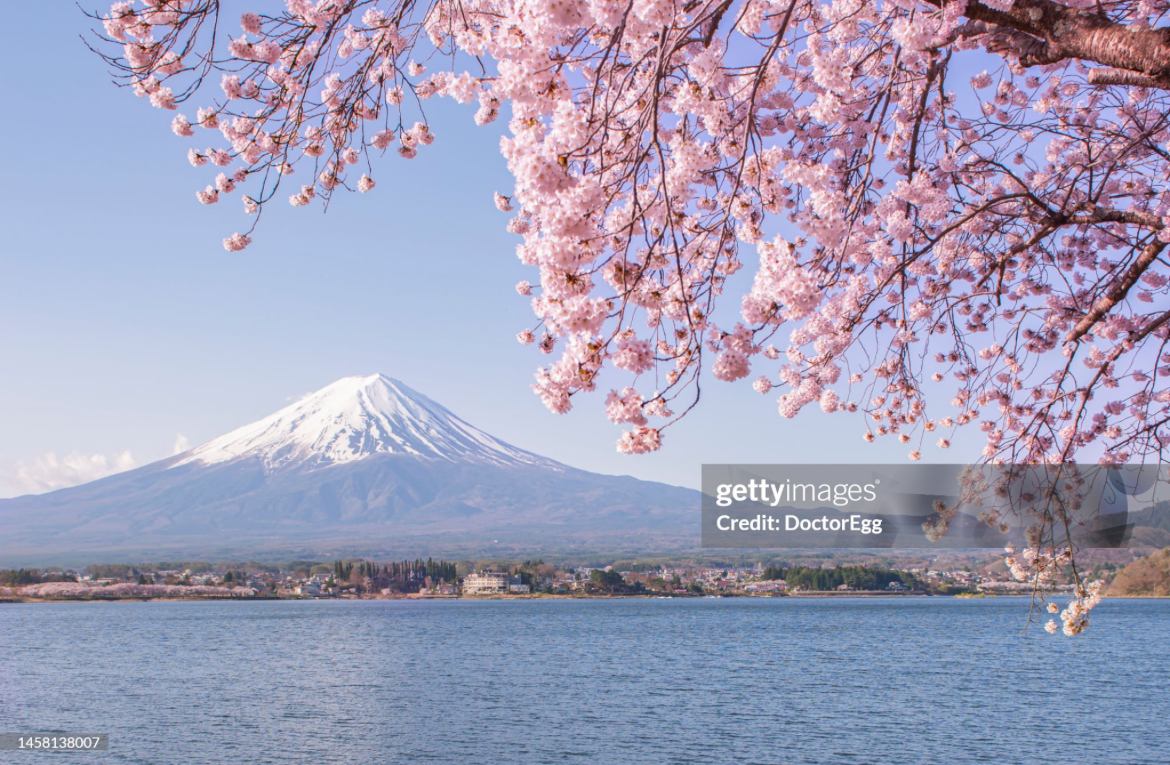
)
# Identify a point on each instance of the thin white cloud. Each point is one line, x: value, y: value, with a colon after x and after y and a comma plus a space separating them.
x: 50, y: 472
x: 182, y: 444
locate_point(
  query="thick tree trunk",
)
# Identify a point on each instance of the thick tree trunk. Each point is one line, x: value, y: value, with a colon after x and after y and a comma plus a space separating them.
x: 1043, y: 32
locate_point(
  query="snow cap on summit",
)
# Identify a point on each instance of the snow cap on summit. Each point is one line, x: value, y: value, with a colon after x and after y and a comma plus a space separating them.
x: 356, y: 418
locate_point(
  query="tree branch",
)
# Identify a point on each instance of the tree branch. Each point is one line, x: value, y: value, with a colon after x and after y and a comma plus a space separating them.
x: 1111, y: 76
x: 1117, y: 292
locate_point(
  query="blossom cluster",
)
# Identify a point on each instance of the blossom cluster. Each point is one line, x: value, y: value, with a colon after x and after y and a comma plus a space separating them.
x: 1075, y: 616
x: 279, y: 110
x: 1039, y: 568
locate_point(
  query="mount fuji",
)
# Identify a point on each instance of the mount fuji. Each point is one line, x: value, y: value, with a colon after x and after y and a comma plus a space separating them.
x: 364, y: 466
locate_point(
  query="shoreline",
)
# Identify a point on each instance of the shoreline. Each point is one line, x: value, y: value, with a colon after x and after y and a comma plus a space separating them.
x: 491, y: 598
x: 827, y: 595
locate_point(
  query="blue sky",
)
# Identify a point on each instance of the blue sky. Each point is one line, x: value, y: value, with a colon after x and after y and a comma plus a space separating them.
x: 126, y: 324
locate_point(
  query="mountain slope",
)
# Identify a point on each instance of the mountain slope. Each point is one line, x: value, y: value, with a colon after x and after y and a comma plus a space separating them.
x: 365, y: 465
x: 1145, y: 577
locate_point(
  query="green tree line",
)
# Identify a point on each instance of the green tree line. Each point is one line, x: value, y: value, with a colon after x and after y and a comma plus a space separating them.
x: 855, y: 577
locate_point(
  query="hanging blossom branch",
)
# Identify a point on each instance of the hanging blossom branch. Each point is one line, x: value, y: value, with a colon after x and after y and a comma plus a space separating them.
x: 997, y: 240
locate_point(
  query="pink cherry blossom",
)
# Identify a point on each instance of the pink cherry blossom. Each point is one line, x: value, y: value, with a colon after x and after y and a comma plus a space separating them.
x: 251, y: 23
x: 236, y: 242
x: 181, y: 126
x: 639, y: 441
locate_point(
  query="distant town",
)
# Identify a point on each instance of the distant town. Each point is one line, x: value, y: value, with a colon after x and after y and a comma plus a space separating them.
x: 429, y: 578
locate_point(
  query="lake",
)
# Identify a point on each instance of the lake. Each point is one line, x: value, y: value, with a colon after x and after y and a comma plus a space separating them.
x: 786, y: 680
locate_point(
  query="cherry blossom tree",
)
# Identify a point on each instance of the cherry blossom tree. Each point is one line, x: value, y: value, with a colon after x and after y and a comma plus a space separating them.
x: 88, y: 591
x: 955, y: 211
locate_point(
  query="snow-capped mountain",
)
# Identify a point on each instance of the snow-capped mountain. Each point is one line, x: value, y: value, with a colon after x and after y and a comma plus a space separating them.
x: 355, y: 418
x: 365, y: 465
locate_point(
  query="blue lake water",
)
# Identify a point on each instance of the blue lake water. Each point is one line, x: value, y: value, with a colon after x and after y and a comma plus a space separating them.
x: 841, y: 681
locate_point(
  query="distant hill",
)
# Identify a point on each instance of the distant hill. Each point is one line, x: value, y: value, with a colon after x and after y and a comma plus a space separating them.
x: 1149, y: 576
